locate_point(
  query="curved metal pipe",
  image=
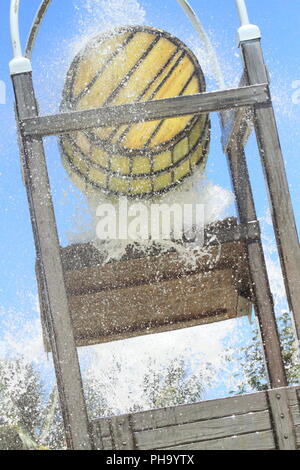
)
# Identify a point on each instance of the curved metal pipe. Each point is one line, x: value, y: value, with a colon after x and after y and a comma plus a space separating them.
x: 15, y: 34
x: 36, y: 27
x: 243, y: 12
x: 14, y: 28
x: 213, y: 59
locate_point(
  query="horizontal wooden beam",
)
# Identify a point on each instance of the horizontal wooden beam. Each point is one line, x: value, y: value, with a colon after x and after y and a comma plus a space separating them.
x: 146, y: 111
x: 219, y: 233
x: 245, y: 422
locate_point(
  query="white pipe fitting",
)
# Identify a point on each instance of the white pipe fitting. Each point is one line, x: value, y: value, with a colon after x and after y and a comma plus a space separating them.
x: 247, y: 31
x: 19, y: 64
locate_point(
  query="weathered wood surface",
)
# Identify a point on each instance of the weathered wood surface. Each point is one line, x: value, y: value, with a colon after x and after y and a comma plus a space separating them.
x: 203, y: 411
x: 255, y: 441
x: 122, y: 435
x: 153, y: 308
x: 276, y: 180
x: 262, y: 295
x: 237, y: 125
x: 293, y: 396
x: 142, y: 295
x: 282, y: 419
x: 54, y: 294
x: 239, y: 423
x: 201, y: 103
x: 203, y: 431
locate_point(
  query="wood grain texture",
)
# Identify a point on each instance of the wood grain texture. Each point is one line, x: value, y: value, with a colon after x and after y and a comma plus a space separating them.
x: 139, y: 112
x: 57, y: 313
x: 243, y: 422
x: 293, y: 395
x: 204, y: 430
x: 276, y: 180
x: 262, y: 295
x: 142, y: 295
x: 282, y: 419
x: 200, y: 411
x: 237, y: 125
x: 189, y: 300
x: 122, y: 435
x: 255, y: 441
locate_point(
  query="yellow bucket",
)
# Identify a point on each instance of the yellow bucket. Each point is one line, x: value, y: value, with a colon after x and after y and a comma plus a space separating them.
x: 134, y: 64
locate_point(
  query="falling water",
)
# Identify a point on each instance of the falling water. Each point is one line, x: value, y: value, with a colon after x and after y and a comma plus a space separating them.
x: 123, y: 388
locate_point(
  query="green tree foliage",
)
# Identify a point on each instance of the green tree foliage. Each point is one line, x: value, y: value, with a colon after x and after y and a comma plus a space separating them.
x: 31, y: 419
x: 173, y: 386
x: 21, y: 397
x: 252, y: 375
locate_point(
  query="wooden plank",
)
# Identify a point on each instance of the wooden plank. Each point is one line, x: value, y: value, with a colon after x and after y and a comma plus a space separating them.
x: 256, y: 441
x: 122, y: 434
x: 282, y: 420
x: 47, y: 246
x: 297, y: 432
x: 167, y: 294
x: 200, y: 411
x: 225, y: 424
x: 83, y: 276
x: 96, y: 435
x: 262, y: 295
x: 276, y: 181
x: 295, y: 413
x: 102, y: 434
x: 223, y: 231
x: 204, y: 430
x: 133, y: 311
x: 146, y: 111
x: 107, y: 443
x: 104, y: 427
x: 294, y: 396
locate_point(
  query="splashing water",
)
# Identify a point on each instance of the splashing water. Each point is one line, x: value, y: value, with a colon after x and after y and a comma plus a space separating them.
x: 196, y: 191
x: 123, y: 389
x: 97, y: 17
x: 93, y: 18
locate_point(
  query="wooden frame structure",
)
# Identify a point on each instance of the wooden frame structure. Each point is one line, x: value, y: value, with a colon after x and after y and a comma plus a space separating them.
x: 260, y: 421
x: 273, y: 415
x: 166, y: 292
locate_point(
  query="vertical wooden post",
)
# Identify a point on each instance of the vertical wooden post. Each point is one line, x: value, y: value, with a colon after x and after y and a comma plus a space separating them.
x: 48, y: 252
x: 263, y: 299
x: 282, y: 420
x: 276, y: 180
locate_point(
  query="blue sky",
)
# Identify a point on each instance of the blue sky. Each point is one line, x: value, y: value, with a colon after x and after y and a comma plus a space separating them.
x: 65, y: 24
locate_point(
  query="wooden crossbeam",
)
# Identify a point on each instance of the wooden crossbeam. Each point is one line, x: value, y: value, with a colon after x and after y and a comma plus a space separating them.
x: 146, y: 111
